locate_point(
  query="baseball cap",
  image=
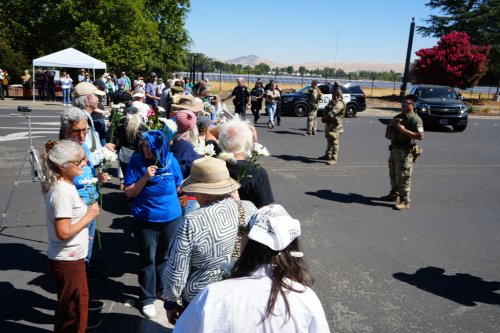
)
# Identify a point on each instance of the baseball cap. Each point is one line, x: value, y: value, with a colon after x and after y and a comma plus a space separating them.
x: 274, y: 227
x: 85, y: 88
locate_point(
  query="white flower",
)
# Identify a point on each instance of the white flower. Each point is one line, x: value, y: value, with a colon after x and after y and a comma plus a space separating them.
x: 172, y: 126
x: 260, y: 150
x: 210, y: 150
x: 88, y: 181
x: 109, y: 155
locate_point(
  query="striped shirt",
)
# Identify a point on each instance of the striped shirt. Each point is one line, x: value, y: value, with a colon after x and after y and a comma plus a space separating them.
x: 204, y: 241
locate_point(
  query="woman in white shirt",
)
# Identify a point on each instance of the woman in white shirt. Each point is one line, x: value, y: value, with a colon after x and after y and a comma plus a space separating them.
x: 268, y: 290
x: 66, y: 83
x: 67, y: 219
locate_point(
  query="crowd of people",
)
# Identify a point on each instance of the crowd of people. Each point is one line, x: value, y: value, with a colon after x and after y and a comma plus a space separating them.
x: 205, y: 220
x: 203, y: 211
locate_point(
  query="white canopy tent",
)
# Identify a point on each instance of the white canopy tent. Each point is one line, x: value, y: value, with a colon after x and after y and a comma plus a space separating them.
x: 68, y: 58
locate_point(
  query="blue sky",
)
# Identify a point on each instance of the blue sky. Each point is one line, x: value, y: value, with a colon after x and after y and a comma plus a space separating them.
x: 293, y: 31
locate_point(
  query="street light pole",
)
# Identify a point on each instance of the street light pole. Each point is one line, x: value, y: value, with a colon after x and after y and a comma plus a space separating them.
x: 408, y: 55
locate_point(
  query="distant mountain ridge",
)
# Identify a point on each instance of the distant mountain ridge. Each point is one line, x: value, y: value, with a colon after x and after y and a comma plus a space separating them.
x: 252, y: 60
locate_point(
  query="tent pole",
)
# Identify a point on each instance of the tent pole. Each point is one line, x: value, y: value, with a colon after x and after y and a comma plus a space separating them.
x: 33, y: 81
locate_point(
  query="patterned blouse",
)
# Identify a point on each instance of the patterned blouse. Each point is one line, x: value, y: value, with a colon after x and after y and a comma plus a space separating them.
x: 204, y: 242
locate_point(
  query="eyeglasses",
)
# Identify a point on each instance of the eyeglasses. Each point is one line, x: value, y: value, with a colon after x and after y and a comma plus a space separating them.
x: 77, y: 163
x: 79, y: 130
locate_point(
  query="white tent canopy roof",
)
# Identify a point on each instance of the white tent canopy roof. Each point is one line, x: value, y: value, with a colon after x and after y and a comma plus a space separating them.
x: 69, y: 58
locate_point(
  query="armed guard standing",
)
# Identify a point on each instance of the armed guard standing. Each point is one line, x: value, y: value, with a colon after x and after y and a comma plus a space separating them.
x: 403, y: 130
x: 313, y: 98
x: 333, y: 125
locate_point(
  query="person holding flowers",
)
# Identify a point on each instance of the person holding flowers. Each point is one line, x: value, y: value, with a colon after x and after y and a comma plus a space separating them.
x: 74, y: 127
x: 67, y: 218
x: 151, y: 180
x: 241, y: 152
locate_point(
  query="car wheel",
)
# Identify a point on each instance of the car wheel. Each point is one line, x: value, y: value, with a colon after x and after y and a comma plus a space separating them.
x: 459, y: 128
x: 301, y: 109
x: 351, y: 111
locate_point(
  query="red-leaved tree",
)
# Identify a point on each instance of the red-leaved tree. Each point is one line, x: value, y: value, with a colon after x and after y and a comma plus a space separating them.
x: 453, y: 62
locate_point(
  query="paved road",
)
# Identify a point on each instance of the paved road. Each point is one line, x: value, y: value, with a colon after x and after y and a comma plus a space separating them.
x: 433, y: 268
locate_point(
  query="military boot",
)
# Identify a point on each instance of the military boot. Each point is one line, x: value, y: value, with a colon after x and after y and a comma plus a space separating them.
x: 393, y: 197
x: 402, y: 205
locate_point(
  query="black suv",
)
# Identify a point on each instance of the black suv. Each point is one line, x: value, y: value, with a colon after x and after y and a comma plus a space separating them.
x: 296, y: 103
x: 440, y: 105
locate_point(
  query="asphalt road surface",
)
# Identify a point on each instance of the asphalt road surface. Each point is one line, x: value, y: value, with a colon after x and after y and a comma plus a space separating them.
x: 432, y: 268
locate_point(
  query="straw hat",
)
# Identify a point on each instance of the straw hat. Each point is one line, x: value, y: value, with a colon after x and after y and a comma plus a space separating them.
x: 187, y: 102
x: 209, y: 176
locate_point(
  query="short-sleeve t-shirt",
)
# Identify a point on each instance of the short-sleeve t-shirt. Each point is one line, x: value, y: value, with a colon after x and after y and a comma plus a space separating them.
x: 63, y: 201
x: 158, y: 201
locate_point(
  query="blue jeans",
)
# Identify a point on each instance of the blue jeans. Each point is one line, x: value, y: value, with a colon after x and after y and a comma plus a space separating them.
x: 92, y: 228
x: 153, y: 241
x: 67, y: 96
x: 271, y: 110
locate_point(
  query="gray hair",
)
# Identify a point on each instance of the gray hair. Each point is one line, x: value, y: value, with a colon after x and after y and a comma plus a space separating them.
x: 71, y: 115
x: 56, y: 156
x: 81, y: 102
x: 235, y: 136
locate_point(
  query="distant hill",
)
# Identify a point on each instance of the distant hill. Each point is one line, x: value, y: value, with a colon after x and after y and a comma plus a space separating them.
x: 252, y: 60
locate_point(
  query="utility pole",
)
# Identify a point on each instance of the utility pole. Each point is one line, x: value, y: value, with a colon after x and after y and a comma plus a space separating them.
x: 408, y: 55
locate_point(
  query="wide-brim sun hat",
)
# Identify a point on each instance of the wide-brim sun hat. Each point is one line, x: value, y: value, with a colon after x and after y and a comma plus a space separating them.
x: 187, y: 102
x: 209, y: 176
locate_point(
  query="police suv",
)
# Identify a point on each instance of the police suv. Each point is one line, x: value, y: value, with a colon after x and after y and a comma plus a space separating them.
x: 296, y: 103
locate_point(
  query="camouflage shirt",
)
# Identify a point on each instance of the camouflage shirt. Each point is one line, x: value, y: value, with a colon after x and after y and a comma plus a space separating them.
x: 411, y: 122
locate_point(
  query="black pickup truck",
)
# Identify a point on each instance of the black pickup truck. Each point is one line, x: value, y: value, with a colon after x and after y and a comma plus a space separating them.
x: 440, y: 105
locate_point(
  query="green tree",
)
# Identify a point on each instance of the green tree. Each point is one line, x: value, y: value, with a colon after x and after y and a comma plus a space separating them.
x: 132, y: 35
x: 477, y: 18
x: 261, y: 68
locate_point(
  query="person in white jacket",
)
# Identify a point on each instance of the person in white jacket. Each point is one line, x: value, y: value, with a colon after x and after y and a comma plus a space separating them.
x: 268, y: 290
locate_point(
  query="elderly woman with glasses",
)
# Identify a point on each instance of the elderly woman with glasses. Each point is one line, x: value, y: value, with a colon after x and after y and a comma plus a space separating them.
x: 152, y: 178
x: 74, y: 127
x: 67, y: 218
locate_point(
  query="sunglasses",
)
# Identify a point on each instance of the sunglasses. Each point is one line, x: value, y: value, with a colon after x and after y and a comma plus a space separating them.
x: 77, y: 163
x: 406, y: 103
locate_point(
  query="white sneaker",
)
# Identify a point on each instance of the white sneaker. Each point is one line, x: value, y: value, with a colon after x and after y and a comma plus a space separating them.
x: 149, y: 311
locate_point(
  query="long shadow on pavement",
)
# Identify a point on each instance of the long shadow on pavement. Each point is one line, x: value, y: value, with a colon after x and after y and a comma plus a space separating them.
x: 348, y: 198
x: 302, y: 159
x: 461, y: 288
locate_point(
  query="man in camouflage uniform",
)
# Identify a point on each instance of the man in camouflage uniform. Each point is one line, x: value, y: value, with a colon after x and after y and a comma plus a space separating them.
x: 333, y: 125
x: 313, y: 98
x: 403, y: 130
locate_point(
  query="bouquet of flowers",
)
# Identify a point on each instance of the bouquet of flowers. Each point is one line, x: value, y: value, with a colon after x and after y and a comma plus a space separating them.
x: 205, y: 150
x: 109, y: 156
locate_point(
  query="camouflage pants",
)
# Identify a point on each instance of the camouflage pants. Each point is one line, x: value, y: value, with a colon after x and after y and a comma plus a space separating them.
x: 332, y: 145
x: 312, y: 121
x: 400, y: 168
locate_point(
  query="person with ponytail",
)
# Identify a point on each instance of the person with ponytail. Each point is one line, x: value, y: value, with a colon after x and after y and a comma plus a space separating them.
x: 152, y: 178
x: 67, y: 218
x: 269, y: 287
